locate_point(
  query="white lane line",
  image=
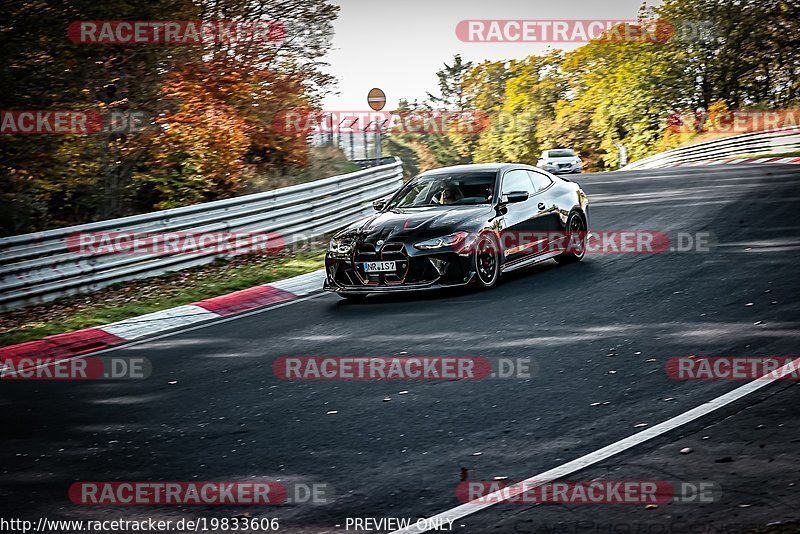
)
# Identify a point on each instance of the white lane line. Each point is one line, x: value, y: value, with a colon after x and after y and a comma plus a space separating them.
x: 599, y: 455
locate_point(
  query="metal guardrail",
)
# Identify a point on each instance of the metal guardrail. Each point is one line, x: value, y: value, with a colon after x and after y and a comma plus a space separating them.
x: 772, y: 142
x: 366, y: 163
x: 41, y: 266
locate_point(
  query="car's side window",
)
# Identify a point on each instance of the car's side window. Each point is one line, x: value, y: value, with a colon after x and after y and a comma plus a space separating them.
x: 517, y: 180
x: 540, y: 181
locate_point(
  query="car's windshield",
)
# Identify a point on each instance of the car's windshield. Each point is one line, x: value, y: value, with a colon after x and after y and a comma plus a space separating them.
x: 440, y: 189
x: 561, y: 153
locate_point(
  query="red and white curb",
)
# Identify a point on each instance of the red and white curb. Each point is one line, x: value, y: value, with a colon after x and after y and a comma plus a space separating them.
x: 736, y: 161
x: 89, y: 340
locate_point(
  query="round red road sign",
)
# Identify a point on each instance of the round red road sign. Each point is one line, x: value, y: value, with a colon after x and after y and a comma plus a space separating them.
x: 376, y: 99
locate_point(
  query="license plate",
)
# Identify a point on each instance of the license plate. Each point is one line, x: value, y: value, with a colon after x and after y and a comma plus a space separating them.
x: 379, y: 266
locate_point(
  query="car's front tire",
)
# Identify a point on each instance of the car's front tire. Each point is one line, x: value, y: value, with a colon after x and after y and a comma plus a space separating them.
x: 486, y: 261
x: 576, y: 240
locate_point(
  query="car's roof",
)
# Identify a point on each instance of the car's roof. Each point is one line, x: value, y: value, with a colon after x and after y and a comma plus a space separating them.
x: 475, y: 167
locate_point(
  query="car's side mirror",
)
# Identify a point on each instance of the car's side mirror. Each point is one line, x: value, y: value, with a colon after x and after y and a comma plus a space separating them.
x: 379, y: 204
x: 514, y: 197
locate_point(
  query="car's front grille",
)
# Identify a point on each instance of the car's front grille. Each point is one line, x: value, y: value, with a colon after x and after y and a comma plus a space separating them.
x: 366, y: 252
x: 395, y: 252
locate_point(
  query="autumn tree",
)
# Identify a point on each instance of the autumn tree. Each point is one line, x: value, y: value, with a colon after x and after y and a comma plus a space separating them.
x: 709, y: 54
x: 209, y: 106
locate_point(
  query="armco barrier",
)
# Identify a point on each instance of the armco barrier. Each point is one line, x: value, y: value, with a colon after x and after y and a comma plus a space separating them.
x: 40, y: 267
x: 778, y: 141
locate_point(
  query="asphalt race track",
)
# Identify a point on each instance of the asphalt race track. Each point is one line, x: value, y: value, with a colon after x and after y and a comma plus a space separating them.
x: 213, y: 410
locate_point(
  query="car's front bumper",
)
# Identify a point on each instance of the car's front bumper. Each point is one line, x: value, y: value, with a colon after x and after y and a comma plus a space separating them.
x: 406, y: 288
x: 416, y: 270
x: 565, y: 169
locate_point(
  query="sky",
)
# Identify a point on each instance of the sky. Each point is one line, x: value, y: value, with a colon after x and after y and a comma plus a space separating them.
x: 399, y: 45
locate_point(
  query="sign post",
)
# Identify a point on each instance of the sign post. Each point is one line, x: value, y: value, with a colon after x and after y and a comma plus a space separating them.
x: 622, y: 153
x: 376, y: 99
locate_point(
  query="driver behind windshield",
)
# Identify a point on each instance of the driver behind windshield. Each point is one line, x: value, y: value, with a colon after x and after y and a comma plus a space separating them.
x: 452, y: 189
x: 450, y: 194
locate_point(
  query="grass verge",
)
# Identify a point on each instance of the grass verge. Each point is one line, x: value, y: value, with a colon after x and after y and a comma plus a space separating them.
x: 129, y: 299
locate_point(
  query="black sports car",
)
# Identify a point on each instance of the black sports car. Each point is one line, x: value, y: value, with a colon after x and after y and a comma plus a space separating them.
x: 450, y: 227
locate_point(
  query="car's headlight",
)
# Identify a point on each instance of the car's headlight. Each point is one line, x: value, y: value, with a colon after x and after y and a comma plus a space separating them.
x: 444, y: 241
x: 341, y: 246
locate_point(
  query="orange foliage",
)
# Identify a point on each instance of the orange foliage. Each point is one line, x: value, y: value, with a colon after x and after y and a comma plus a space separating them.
x: 219, y: 130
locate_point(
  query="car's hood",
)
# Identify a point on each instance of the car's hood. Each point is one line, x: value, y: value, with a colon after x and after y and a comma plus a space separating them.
x: 433, y: 221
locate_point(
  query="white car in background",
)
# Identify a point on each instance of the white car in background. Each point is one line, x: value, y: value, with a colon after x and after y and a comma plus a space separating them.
x: 560, y: 160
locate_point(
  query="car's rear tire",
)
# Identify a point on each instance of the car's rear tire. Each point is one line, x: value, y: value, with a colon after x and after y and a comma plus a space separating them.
x: 487, y: 261
x: 576, y: 240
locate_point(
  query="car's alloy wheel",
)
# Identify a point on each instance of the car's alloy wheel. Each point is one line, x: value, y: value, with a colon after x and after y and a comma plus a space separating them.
x: 576, y: 240
x: 487, y: 261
